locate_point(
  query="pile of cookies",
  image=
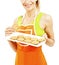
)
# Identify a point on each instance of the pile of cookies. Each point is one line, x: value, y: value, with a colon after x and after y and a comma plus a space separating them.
x: 27, y: 39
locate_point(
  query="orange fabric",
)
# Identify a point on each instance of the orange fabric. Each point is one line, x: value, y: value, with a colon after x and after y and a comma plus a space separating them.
x: 29, y: 55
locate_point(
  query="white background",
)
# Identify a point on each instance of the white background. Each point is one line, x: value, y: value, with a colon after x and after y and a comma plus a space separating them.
x: 9, y: 10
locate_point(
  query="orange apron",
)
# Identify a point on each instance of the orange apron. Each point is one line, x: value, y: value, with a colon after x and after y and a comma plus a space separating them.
x: 29, y: 55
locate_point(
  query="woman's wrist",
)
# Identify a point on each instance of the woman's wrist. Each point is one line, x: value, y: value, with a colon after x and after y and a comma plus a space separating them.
x: 49, y: 42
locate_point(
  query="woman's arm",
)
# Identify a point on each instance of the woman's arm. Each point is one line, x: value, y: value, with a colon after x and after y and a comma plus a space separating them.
x: 49, y: 31
x: 9, y: 31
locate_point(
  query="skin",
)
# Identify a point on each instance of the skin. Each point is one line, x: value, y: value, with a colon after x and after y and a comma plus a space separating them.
x: 45, y: 23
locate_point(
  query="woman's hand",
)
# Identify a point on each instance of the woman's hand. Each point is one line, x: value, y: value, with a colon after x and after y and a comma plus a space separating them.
x: 49, y: 41
x: 9, y: 31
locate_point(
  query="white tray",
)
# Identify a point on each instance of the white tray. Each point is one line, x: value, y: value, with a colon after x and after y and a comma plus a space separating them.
x: 23, y: 34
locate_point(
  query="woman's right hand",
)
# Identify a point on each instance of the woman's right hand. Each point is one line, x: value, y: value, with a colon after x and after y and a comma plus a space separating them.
x: 9, y: 31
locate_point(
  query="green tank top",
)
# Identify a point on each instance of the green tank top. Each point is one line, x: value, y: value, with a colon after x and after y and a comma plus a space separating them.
x: 38, y: 30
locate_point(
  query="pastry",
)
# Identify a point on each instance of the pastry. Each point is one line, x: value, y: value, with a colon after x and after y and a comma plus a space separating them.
x: 34, y: 41
x: 27, y: 39
x: 20, y: 38
x: 13, y: 38
x: 41, y: 40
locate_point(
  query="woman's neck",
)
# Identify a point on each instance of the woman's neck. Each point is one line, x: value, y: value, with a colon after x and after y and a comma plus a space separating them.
x: 31, y: 13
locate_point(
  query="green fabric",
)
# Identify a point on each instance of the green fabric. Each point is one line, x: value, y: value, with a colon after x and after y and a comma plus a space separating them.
x: 38, y: 30
x: 19, y: 20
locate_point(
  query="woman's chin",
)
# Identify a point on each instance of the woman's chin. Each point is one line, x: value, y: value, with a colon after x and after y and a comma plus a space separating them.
x: 28, y: 9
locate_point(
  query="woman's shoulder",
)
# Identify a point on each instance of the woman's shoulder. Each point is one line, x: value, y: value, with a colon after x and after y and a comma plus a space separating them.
x: 45, y: 15
x: 17, y: 18
x: 47, y: 18
x: 15, y: 22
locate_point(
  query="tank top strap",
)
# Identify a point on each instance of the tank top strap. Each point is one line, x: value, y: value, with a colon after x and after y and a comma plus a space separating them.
x: 38, y: 30
x: 19, y: 20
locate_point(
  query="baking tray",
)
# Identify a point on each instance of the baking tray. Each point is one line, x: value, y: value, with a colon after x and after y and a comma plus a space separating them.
x: 33, y: 38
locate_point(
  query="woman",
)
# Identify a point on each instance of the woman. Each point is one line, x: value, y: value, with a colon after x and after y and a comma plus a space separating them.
x: 43, y: 26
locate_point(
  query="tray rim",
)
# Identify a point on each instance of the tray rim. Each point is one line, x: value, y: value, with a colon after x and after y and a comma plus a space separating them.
x: 19, y: 33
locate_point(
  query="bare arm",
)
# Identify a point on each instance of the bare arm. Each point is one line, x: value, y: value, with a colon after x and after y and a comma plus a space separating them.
x: 49, y: 31
x: 9, y: 31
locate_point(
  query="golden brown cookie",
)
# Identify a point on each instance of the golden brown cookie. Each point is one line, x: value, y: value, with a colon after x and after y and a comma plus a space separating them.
x: 13, y: 38
x: 41, y: 39
x: 34, y: 41
x: 20, y: 38
x: 27, y: 39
